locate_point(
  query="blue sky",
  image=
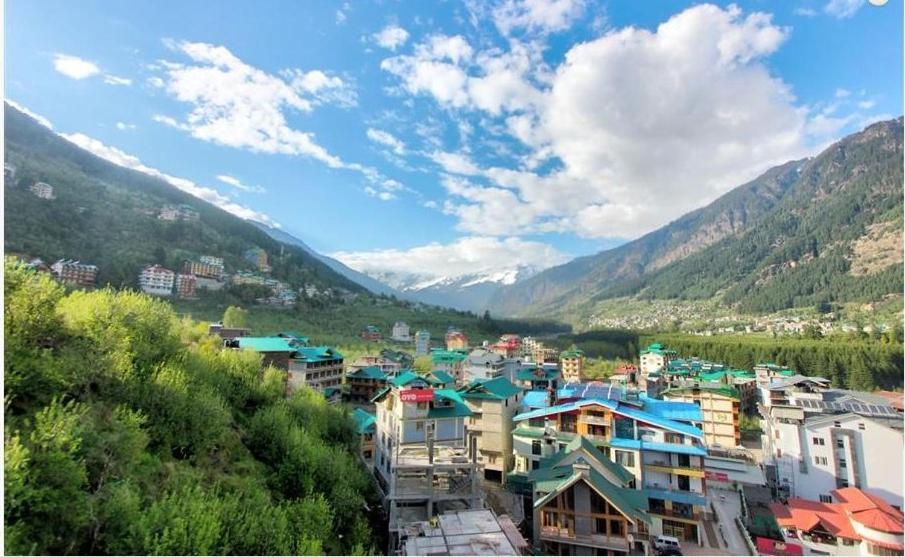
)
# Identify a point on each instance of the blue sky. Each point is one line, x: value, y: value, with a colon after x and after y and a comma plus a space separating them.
x: 452, y: 137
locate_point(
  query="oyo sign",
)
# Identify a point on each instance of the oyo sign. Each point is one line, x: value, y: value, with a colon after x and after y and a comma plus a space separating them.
x: 416, y: 395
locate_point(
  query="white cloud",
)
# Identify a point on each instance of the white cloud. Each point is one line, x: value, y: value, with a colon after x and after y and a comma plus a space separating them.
x: 842, y: 93
x: 641, y: 158
x: 387, y: 139
x: 40, y: 119
x: 110, y: 79
x: 391, y: 37
x: 74, y: 67
x: 805, y: 12
x: 342, y: 13
x: 543, y: 16
x: 467, y: 255
x: 236, y: 183
x: 123, y: 126
x: 238, y: 105
x: 843, y: 9
x: 381, y: 195
x: 126, y: 160
x: 866, y: 105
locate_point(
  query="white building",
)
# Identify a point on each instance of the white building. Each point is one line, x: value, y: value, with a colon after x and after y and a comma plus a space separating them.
x: 816, y: 447
x: 401, y: 332
x: 422, y: 343
x: 157, y: 280
x: 42, y: 190
x: 655, y: 358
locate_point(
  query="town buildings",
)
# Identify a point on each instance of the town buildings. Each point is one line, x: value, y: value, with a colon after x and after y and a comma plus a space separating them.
x: 317, y: 367
x: 493, y: 403
x: 207, y: 267
x: 849, y: 522
x: 456, y: 340
x: 227, y: 333
x: 571, y: 365
x: 157, y: 280
x: 720, y: 411
x: 449, y: 361
x: 401, y: 332
x: 386, y: 366
x: 483, y: 364
x: 666, y: 457
x: 371, y: 333
x: 257, y: 257
x: 509, y: 346
x: 68, y: 271
x: 364, y: 383
x: 185, y: 285
x: 424, y: 462
x: 42, y: 190
x: 422, y: 343
x: 655, y: 358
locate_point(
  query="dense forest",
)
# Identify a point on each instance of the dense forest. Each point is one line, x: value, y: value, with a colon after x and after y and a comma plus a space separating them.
x: 130, y: 431
x: 850, y: 362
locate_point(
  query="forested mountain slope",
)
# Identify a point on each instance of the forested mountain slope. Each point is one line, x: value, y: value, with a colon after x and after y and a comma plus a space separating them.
x: 804, y: 232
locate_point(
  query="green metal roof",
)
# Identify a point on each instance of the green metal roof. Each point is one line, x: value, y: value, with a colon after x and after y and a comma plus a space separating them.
x: 266, y: 344
x: 405, y: 378
x: 370, y: 372
x: 441, y: 377
x: 573, y: 353
x: 498, y: 388
x: 632, y: 502
x: 457, y: 410
x: 447, y: 356
x: 582, y: 442
x: 317, y: 353
x: 365, y: 422
x: 529, y: 374
x: 719, y: 389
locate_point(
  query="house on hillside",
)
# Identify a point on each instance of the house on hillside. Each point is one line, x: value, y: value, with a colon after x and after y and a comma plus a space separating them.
x: 157, y: 280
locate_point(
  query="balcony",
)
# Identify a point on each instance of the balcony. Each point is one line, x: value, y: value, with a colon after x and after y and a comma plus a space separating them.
x: 564, y: 535
x: 597, y: 420
x: 673, y: 513
x: 667, y: 468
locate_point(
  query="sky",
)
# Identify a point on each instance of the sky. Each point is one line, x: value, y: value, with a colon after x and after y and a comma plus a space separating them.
x: 442, y: 137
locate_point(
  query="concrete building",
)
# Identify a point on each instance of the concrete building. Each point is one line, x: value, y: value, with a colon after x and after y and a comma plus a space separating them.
x: 227, y: 333
x: 584, y: 504
x: 157, y: 280
x: 317, y: 367
x: 720, y: 411
x: 185, y: 286
x: 42, y: 190
x: 207, y: 266
x: 483, y: 364
x: 493, y: 403
x: 509, y: 346
x: 849, y: 522
x: 388, y: 367
x: 364, y: 383
x: 655, y: 358
x: 401, y: 332
x: 371, y: 333
x: 467, y: 532
x: 456, y: 340
x: 366, y: 427
x: 422, y: 343
x: 538, y: 377
x: 68, y: 271
x: 666, y: 457
x: 424, y: 462
x: 571, y: 365
x: 449, y: 361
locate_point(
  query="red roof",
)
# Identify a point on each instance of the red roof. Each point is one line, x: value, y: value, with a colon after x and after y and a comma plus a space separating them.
x: 870, y: 510
x: 766, y: 546
x: 896, y: 399
x: 806, y: 515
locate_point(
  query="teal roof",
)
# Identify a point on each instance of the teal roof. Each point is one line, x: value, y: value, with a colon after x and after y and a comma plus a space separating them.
x: 405, y: 378
x: 672, y: 410
x: 447, y: 356
x: 365, y: 422
x: 632, y: 502
x: 457, y: 410
x: 266, y: 344
x: 498, y: 388
x: 582, y: 442
x: 718, y: 389
x: 370, y: 372
x: 441, y: 377
x: 317, y: 353
x: 530, y: 374
x: 574, y: 353
x: 294, y: 335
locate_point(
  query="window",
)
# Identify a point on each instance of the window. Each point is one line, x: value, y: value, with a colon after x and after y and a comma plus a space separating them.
x: 840, y: 444
x: 826, y: 499
x: 837, y: 424
x: 861, y: 426
x: 819, y: 441
x: 535, y: 447
x: 673, y: 438
x: 422, y: 406
x: 535, y: 464
x: 820, y: 460
x: 625, y: 458
x: 419, y: 426
x: 842, y: 463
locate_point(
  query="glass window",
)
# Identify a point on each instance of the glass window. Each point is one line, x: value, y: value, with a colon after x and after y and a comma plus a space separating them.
x: 826, y: 499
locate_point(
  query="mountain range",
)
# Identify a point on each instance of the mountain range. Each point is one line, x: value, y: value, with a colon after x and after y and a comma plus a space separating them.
x: 820, y: 230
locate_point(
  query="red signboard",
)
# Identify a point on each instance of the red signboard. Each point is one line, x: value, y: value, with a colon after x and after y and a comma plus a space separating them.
x: 416, y: 395
x: 716, y: 476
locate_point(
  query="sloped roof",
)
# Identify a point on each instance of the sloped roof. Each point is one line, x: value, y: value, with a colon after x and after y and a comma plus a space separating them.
x: 405, y: 378
x: 365, y: 422
x: 631, y: 502
x: 717, y: 389
x: 266, y: 344
x: 870, y: 510
x: 673, y: 410
x: 581, y: 442
x: 317, y: 353
x: 805, y: 515
x: 440, y: 376
x: 498, y: 388
x: 370, y: 372
x: 457, y: 410
x: 531, y: 374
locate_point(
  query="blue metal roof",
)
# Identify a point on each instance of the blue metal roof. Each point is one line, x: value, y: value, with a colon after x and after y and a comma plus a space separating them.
x: 540, y: 413
x: 636, y: 444
x: 671, y: 410
x: 535, y: 399
x: 677, y: 496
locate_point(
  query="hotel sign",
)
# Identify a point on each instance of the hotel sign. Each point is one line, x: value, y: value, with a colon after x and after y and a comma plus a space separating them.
x: 416, y: 395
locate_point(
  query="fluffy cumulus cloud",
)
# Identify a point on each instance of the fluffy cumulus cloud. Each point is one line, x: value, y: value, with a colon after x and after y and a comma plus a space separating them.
x: 391, y: 37
x: 543, y: 16
x: 387, y: 140
x: 843, y: 9
x: 121, y: 158
x: 631, y: 129
x: 74, y: 67
x: 465, y: 256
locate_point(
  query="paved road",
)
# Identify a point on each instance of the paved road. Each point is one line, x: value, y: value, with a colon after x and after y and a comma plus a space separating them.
x: 726, y: 511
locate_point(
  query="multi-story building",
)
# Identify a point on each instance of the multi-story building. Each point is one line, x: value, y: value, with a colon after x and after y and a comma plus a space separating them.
x: 720, y: 408
x: 456, y: 340
x: 258, y: 258
x: 493, y: 403
x: 73, y: 272
x: 364, y: 383
x: 42, y: 190
x: 655, y: 358
x: 665, y: 456
x: 450, y: 361
x: 401, y: 332
x: 386, y: 366
x: 849, y: 521
x: 465, y: 532
x: 585, y: 504
x: 538, y: 377
x: 227, y: 333
x: 185, y: 285
x: 245, y: 277
x: 317, y: 367
x: 207, y: 266
x: 571, y: 365
x: 402, y: 358
x: 483, y: 364
x: 812, y: 446
x: 371, y: 333
x: 365, y: 426
x: 422, y: 343
x: 424, y: 463
x: 509, y: 346
x: 157, y: 280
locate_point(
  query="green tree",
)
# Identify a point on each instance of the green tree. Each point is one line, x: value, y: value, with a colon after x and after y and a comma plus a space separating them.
x: 235, y: 316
